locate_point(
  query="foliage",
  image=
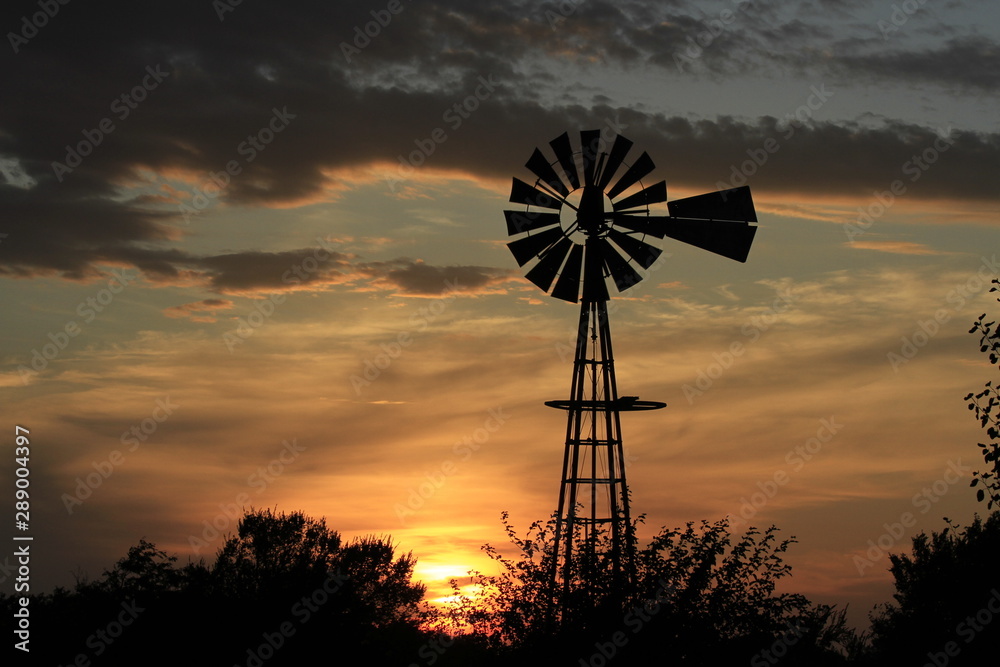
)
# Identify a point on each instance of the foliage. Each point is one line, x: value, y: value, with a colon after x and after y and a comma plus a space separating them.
x: 730, y: 594
x: 275, y: 554
x: 704, y: 596
x: 986, y: 405
x: 381, y: 582
x: 279, y: 570
x: 272, y: 550
x: 516, y: 605
x: 144, y: 571
x: 945, y: 587
x: 949, y: 577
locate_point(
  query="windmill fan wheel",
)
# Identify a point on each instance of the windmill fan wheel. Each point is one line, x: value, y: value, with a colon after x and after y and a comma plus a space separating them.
x: 578, y: 229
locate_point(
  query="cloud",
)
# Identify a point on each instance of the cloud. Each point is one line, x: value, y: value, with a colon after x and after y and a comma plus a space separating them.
x: 970, y: 61
x: 313, y: 269
x: 897, y: 247
x: 199, y: 311
x: 273, y: 114
x: 251, y: 271
x: 417, y: 278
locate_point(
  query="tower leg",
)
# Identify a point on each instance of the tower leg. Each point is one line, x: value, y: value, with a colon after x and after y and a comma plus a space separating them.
x: 593, y: 493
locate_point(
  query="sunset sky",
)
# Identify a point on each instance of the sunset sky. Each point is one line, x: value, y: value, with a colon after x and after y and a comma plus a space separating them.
x: 255, y: 255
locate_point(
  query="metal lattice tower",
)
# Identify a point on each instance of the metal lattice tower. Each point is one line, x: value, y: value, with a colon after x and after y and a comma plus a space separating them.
x: 593, y: 494
x: 583, y: 231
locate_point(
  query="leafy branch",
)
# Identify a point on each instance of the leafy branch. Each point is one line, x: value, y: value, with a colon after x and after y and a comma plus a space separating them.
x: 986, y: 405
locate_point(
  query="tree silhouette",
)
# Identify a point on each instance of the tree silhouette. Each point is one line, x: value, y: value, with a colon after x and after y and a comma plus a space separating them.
x: 381, y: 582
x: 274, y: 552
x: 144, y: 571
x: 942, y: 590
x: 282, y: 590
x: 287, y: 555
x: 950, y: 584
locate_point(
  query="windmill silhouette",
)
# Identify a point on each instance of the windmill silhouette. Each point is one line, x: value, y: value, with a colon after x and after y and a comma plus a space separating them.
x: 579, y: 231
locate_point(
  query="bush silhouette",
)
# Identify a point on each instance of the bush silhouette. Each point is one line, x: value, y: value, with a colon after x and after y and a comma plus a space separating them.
x: 698, y: 597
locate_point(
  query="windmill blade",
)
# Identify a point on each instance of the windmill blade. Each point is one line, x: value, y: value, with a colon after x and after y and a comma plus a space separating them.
x: 532, y: 246
x: 734, y: 204
x: 723, y: 237
x: 590, y: 140
x: 540, y: 167
x: 524, y: 221
x: 594, y: 286
x: 568, y: 286
x: 522, y: 193
x: 564, y: 153
x: 639, y: 223
x: 545, y: 271
x: 643, y: 253
x: 640, y: 168
x: 619, y: 150
x: 654, y: 194
x: 620, y: 270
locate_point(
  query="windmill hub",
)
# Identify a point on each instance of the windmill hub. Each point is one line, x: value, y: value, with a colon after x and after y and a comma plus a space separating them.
x: 590, y: 215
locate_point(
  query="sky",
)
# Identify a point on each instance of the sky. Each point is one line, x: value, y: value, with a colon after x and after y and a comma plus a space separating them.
x: 254, y: 255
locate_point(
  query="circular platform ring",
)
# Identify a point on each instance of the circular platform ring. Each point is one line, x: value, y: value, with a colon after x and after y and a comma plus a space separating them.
x: 619, y: 405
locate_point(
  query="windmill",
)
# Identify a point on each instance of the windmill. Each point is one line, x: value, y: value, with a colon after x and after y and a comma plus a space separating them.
x: 579, y: 229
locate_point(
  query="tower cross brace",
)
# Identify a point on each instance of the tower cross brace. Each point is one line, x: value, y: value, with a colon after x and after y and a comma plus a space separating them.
x: 593, y: 492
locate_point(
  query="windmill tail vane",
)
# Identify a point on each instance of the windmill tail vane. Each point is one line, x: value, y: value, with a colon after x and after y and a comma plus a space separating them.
x: 586, y: 222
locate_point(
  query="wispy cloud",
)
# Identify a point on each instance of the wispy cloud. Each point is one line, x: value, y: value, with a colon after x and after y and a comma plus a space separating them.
x: 897, y: 247
x: 199, y: 311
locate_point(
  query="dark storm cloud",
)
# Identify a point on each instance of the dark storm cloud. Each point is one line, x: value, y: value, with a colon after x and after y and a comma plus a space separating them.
x: 783, y: 154
x: 317, y: 268
x: 60, y: 228
x: 259, y: 106
x: 252, y: 271
x: 415, y: 278
x: 967, y: 62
